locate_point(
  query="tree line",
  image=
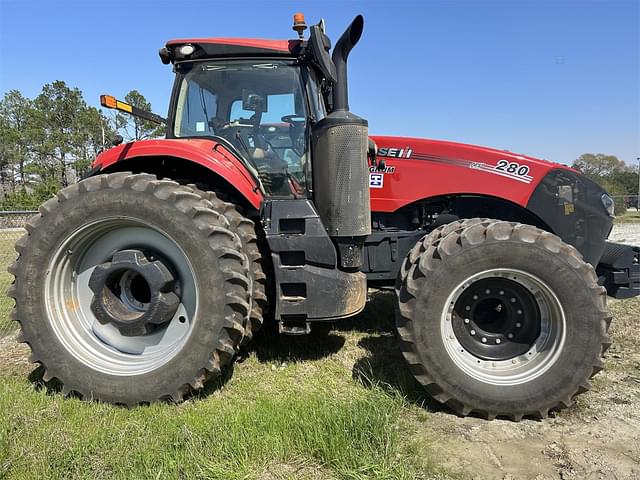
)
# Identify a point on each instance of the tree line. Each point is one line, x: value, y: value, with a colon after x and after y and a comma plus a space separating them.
x: 615, y: 176
x: 50, y: 141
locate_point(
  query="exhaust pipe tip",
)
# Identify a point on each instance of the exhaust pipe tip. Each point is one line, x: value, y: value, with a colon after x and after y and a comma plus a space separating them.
x: 355, y: 30
x: 341, y: 51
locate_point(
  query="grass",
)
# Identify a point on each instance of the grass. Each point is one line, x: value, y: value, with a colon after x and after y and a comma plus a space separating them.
x: 257, y: 425
x: 630, y: 216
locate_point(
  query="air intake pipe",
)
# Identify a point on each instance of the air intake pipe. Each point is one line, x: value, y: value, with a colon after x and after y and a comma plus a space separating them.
x: 341, y: 174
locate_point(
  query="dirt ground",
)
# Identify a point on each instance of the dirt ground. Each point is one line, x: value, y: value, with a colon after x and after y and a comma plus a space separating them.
x: 598, y: 438
x: 628, y: 233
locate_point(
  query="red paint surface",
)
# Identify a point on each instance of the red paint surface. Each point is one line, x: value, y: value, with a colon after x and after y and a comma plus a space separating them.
x: 449, y: 171
x: 207, y: 153
x: 277, y: 45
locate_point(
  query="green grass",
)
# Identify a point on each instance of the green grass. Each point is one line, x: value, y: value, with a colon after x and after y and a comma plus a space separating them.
x: 630, y: 216
x: 256, y: 425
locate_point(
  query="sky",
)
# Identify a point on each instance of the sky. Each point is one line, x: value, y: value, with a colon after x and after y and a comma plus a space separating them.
x: 551, y: 79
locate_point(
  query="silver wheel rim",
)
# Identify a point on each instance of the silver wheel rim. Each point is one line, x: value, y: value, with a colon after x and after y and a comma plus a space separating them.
x: 520, y: 369
x: 68, y: 297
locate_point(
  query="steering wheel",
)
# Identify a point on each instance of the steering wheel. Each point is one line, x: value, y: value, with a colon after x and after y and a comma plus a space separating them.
x: 295, y: 120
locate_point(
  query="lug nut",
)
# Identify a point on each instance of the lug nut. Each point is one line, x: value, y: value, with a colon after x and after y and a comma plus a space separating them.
x: 487, y: 291
x: 466, y: 320
x: 513, y: 300
x: 484, y: 340
x: 467, y: 308
x: 518, y: 325
x: 475, y: 297
x: 519, y: 312
x: 501, y: 292
x: 498, y: 341
x: 510, y: 335
x: 472, y: 332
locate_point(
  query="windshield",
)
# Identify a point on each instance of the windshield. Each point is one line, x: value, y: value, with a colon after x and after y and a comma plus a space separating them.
x: 259, y: 107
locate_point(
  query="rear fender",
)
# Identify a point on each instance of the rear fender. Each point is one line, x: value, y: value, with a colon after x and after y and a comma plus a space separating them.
x: 184, y: 156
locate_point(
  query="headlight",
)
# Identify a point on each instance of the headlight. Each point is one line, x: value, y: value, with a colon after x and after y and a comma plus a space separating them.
x: 186, y: 50
x: 609, y: 204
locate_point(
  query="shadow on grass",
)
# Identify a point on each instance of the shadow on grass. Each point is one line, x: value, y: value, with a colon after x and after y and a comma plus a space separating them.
x: 382, y: 366
x: 270, y: 346
x: 326, y: 338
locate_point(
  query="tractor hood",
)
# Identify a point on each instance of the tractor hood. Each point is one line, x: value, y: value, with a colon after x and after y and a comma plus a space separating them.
x: 416, y: 168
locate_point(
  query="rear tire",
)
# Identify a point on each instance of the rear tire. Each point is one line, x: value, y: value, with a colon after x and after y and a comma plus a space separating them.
x: 162, y: 223
x: 246, y: 230
x: 500, y: 319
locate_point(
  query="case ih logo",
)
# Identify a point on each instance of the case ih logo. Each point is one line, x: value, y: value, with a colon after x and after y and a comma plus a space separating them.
x: 395, y: 152
x: 376, y: 180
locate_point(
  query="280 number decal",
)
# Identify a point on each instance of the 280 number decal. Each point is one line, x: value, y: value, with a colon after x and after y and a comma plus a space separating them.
x: 512, y: 167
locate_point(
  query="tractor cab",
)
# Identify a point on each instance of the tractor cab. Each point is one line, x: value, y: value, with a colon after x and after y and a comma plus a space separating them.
x: 260, y: 97
x: 262, y: 108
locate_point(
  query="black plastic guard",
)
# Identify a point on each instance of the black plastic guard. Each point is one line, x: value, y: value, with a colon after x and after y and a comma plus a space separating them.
x: 571, y: 205
x: 619, y: 270
x: 309, y: 284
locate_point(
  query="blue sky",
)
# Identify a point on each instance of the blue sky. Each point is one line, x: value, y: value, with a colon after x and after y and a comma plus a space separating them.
x: 548, y: 78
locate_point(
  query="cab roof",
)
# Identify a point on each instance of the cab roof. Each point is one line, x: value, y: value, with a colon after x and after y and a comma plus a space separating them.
x: 234, y: 47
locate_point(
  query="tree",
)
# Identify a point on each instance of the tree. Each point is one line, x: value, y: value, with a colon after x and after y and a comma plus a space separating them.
x: 47, y: 142
x: 16, y: 125
x: 135, y: 128
x: 611, y: 173
x: 59, y: 110
x: 598, y: 165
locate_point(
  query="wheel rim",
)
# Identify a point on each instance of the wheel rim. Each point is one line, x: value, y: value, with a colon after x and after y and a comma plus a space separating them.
x: 503, y: 326
x: 102, y: 345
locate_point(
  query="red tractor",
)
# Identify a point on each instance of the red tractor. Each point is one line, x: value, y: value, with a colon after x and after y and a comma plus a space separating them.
x: 144, y: 279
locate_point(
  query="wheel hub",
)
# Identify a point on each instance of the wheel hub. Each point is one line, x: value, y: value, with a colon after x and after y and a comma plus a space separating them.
x: 496, y: 319
x: 134, y: 292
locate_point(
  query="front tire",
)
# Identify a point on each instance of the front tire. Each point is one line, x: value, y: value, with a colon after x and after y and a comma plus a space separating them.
x: 130, y: 289
x: 500, y: 319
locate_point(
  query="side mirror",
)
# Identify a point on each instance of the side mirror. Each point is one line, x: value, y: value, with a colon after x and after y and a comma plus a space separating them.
x: 253, y: 102
x: 117, y: 140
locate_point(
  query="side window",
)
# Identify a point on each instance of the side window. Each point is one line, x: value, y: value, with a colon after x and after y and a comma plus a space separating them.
x: 195, y: 121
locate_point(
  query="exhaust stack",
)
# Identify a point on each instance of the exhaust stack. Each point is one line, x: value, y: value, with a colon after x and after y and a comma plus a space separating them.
x: 341, y: 51
x: 341, y: 175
